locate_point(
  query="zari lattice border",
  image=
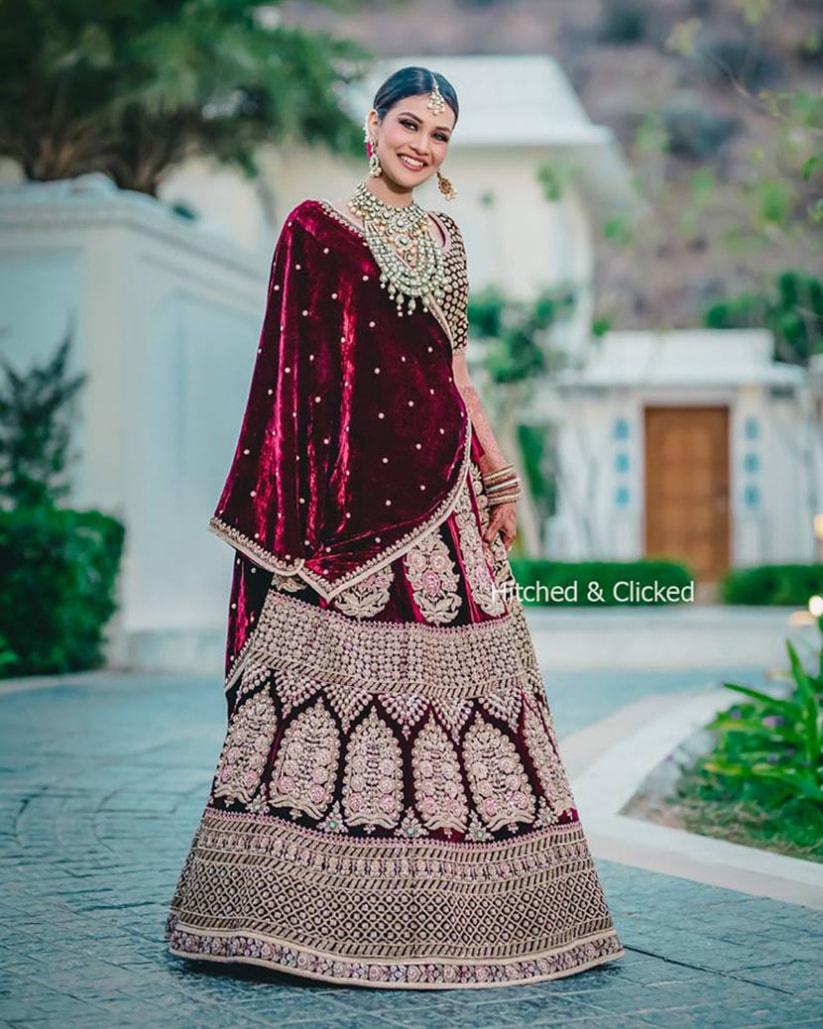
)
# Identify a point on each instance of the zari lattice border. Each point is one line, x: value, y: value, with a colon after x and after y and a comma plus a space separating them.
x: 397, y: 912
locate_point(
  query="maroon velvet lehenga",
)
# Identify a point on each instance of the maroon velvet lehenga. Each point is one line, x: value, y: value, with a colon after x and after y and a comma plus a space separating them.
x: 389, y: 807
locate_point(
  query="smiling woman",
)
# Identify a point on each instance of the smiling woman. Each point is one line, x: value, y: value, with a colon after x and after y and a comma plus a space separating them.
x: 389, y: 807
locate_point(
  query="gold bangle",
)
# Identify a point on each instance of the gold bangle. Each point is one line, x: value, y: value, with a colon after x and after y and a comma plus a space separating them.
x: 504, y: 485
x: 497, y: 473
x: 503, y: 499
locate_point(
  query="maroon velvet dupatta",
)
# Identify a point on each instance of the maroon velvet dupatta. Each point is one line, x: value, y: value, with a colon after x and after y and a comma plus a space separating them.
x: 355, y: 439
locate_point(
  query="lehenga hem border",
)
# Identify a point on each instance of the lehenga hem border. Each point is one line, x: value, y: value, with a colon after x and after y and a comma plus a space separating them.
x: 443, y: 974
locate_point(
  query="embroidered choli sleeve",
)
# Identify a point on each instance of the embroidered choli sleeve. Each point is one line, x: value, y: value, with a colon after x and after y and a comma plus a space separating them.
x: 455, y: 303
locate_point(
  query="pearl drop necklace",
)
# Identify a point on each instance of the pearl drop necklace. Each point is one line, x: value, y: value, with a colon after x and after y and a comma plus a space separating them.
x: 394, y: 231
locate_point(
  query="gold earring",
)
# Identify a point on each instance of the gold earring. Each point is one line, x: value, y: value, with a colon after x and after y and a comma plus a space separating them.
x: 375, y: 168
x: 445, y: 187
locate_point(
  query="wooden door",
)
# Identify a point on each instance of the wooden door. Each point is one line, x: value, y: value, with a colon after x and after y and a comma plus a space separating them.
x: 687, y: 487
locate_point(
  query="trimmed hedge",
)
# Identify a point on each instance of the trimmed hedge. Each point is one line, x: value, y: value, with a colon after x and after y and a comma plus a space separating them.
x: 59, y: 573
x: 548, y: 573
x: 772, y: 584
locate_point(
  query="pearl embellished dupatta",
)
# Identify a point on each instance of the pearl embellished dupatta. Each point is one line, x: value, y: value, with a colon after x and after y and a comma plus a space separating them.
x: 355, y: 439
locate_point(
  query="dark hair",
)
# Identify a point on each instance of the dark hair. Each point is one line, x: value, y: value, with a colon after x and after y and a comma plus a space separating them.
x: 412, y: 81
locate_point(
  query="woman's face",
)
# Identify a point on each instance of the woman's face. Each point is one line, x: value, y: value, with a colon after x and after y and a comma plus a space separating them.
x: 412, y: 142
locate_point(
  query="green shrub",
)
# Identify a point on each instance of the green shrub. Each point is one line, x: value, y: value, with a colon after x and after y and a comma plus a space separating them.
x: 58, y: 591
x: 695, y: 133
x: 624, y: 22
x: 774, y: 745
x: 772, y: 584
x: 530, y: 572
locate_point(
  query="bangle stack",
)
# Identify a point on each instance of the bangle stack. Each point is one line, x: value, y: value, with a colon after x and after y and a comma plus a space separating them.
x: 501, y: 486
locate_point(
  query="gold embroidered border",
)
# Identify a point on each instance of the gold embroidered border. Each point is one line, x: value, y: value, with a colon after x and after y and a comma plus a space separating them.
x: 283, y: 956
x: 449, y: 662
x: 265, y: 559
x: 391, y: 900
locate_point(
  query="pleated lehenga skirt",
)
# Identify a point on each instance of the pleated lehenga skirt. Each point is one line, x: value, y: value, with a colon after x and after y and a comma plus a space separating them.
x: 389, y: 807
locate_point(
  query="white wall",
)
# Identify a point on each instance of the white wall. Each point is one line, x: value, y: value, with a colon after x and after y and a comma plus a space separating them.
x: 168, y: 318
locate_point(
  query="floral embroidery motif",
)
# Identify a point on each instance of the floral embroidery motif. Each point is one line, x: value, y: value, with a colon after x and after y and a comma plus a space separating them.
x: 433, y: 578
x: 373, y: 781
x: 550, y: 772
x: 410, y: 827
x: 246, y: 748
x: 333, y: 822
x: 438, y: 787
x: 306, y: 765
x: 496, y: 776
x: 481, y: 579
x: 366, y: 598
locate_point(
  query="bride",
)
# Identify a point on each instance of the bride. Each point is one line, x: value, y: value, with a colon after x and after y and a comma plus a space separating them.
x: 389, y: 807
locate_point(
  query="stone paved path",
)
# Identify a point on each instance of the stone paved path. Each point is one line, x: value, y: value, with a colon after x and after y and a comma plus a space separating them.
x: 102, y: 782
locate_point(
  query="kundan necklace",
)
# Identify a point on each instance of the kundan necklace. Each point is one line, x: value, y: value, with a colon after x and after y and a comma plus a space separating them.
x: 410, y: 261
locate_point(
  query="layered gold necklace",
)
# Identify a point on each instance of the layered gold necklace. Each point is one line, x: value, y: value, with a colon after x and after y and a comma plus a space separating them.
x: 410, y: 260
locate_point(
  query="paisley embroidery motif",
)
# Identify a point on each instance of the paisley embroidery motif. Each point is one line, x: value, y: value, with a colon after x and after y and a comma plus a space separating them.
x: 366, y: 598
x: 550, y: 772
x: 373, y: 780
x: 246, y: 748
x: 496, y: 776
x: 306, y: 766
x: 481, y: 579
x: 433, y: 578
x: 438, y: 785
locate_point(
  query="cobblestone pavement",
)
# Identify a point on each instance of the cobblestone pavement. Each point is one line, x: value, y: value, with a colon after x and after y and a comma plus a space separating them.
x: 104, y: 778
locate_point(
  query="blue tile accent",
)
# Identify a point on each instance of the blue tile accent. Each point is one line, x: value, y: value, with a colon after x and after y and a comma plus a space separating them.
x: 621, y: 428
x: 752, y: 427
x: 621, y: 462
x: 751, y: 495
x: 751, y: 462
x: 621, y: 496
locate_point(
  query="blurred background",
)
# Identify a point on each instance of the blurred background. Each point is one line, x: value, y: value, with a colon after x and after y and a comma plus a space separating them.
x: 639, y: 191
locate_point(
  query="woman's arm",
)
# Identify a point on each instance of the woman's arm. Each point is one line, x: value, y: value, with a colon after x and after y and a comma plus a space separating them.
x: 503, y: 516
x: 493, y: 457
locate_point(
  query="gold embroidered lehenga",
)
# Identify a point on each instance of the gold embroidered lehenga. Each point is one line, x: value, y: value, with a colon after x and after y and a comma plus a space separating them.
x: 389, y: 807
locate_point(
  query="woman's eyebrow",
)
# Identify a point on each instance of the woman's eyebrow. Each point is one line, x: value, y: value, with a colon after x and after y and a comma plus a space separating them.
x: 445, y: 128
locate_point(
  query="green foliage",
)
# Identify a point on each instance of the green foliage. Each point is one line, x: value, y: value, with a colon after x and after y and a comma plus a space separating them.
x: 793, y: 311
x: 534, y: 442
x: 695, y: 133
x: 58, y: 588
x: 624, y: 22
x: 132, y: 89
x: 739, y: 60
x: 59, y: 566
x: 35, y: 413
x: 551, y: 574
x: 516, y: 329
x: 789, y: 584
x: 775, y: 744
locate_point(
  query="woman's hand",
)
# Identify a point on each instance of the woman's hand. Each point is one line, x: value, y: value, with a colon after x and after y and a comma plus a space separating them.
x: 502, y: 519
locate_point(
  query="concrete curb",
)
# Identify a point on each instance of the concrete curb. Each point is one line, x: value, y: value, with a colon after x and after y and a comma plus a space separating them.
x: 607, y: 764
